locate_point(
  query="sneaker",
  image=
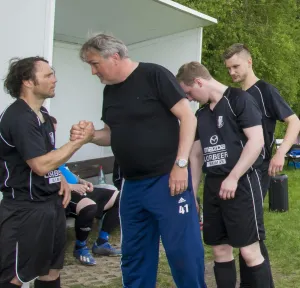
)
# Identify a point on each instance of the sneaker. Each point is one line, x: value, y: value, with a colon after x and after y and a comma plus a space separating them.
x: 84, y: 256
x: 105, y: 250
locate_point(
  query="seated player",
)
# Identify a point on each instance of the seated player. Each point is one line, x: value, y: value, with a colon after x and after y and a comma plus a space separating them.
x: 86, y: 204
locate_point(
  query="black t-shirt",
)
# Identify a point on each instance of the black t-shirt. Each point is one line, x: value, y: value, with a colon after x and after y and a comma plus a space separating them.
x: 221, y: 130
x: 117, y: 175
x: 24, y: 137
x: 144, y: 132
x: 273, y: 108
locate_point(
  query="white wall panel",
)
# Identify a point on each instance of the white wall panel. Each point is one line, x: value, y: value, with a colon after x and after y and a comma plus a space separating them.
x: 26, y: 30
x: 79, y: 94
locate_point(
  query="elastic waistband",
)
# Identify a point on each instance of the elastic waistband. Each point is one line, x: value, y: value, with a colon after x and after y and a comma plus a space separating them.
x: 36, y: 204
x: 218, y: 176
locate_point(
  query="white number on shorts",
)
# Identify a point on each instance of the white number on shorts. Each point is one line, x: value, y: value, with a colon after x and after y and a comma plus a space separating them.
x: 184, y: 209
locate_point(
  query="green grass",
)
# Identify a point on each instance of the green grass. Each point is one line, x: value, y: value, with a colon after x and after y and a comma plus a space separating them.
x: 283, y: 242
x: 283, y: 236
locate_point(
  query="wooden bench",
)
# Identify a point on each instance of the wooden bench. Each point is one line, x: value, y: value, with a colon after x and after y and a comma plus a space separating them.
x: 90, y: 168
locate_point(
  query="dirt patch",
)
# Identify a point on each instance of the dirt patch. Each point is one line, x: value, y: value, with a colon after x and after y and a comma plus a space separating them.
x: 107, y: 269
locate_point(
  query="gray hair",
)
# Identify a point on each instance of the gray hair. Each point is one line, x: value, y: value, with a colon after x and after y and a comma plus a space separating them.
x: 105, y: 45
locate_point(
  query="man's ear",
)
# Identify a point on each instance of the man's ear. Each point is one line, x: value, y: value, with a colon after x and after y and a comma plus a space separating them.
x: 250, y: 61
x: 198, y: 81
x: 116, y: 57
x: 28, y: 83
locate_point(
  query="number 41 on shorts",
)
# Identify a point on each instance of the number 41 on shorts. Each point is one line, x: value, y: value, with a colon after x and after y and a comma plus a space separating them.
x: 184, y: 209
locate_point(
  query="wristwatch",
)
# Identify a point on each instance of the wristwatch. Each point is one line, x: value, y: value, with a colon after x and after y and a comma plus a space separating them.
x: 182, y: 163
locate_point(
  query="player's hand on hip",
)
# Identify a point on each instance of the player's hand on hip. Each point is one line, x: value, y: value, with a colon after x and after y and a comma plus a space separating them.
x: 65, y: 190
x: 178, y: 180
x: 276, y: 164
x: 228, y: 188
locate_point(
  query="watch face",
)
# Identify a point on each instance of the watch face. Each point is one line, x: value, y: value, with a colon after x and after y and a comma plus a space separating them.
x: 182, y: 162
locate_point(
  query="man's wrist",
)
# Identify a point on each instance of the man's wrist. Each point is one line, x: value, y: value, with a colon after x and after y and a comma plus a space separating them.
x: 234, y: 176
x: 76, y: 145
x: 181, y: 162
x: 94, y: 139
x: 280, y: 152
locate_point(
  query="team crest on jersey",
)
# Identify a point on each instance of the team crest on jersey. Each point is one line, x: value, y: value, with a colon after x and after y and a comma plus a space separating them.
x: 51, y: 135
x: 220, y: 122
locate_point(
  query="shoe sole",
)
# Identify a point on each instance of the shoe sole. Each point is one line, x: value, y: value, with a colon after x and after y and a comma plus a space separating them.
x: 86, y: 264
x: 106, y: 254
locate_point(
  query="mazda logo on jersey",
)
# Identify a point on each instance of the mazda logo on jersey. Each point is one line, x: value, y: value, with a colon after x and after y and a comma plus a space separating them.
x: 213, y: 140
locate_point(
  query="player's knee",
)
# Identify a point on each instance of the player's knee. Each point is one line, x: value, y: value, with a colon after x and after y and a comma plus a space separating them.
x: 252, y: 254
x: 83, y: 203
x: 223, y: 253
x: 113, y: 201
x: 86, y: 216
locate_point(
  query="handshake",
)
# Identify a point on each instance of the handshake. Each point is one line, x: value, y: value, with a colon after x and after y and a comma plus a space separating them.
x: 82, y: 132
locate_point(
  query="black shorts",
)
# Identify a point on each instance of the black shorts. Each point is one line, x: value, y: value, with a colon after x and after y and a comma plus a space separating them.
x: 265, y: 177
x: 33, y: 238
x: 238, y: 221
x: 100, y: 195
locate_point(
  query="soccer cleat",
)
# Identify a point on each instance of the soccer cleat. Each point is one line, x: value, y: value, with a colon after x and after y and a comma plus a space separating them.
x: 84, y: 256
x: 105, y: 250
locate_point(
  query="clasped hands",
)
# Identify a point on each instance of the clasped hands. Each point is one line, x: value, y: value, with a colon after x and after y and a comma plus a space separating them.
x: 82, y: 132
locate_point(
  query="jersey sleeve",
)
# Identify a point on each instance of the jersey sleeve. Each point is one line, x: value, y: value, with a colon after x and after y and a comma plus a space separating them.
x: 103, y: 117
x: 278, y: 106
x: 27, y: 137
x: 247, y: 111
x: 197, y: 137
x: 169, y: 90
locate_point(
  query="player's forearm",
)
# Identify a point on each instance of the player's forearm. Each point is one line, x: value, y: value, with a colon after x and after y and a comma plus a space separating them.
x: 52, y: 160
x: 291, y: 135
x: 187, y: 136
x: 102, y: 137
x: 196, y: 164
x: 249, y: 155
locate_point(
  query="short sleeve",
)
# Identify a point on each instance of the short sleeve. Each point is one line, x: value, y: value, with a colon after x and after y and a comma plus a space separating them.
x: 27, y: 137
x: 197, y: 137
x: 103, y: 117
x: 247, y: 111
x: 278, y: 106
x: 169, y: 90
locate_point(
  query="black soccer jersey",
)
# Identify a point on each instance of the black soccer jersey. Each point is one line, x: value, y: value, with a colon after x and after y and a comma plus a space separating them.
x: 24, y: 137
x: 273, y: 108
x: 221, y: 130
x: 144, y: 132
